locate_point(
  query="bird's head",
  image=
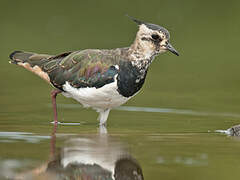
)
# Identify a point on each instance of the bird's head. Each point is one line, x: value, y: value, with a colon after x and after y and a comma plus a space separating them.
x: 153, y: 39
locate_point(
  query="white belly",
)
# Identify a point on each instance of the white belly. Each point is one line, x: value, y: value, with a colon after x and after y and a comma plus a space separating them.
x: 99, y: 98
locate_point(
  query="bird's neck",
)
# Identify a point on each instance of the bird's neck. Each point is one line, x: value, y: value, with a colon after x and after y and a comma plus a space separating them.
x: 140, y: 55
x: 139, y: 51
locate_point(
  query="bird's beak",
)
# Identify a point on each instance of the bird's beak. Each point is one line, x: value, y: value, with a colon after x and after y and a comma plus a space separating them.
x: 172, y: 49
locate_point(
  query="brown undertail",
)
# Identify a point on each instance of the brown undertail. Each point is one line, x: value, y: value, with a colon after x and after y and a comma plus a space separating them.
x: 31, y: 61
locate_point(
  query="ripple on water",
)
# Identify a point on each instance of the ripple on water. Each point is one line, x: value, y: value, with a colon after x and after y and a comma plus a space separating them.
x: 11, y: 137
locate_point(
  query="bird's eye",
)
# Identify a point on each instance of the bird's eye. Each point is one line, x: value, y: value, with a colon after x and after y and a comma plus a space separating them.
x: 156, y: 37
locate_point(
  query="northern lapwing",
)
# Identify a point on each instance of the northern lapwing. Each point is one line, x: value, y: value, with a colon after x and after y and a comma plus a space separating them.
x: 101, y: 79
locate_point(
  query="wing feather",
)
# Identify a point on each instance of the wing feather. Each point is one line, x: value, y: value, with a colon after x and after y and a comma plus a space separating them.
x: 87, y: 68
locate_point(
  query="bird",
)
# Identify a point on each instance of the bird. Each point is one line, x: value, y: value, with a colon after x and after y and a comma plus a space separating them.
x: 102, y: 79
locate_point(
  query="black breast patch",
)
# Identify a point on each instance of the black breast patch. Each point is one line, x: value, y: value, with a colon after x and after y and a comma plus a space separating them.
x: 128, y: 79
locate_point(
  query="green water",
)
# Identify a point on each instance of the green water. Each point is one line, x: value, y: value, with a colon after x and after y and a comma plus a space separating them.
x: 200, y: 88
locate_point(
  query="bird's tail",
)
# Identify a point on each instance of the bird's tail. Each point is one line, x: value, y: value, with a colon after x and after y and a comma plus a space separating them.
x: 27, y: 57
x: 31, y: 61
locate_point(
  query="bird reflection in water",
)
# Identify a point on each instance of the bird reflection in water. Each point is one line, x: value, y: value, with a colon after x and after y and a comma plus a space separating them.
x: 90, y: 158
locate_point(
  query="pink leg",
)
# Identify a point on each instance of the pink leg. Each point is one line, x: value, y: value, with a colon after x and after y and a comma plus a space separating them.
x: 53, y: 141
x: 54, y: 95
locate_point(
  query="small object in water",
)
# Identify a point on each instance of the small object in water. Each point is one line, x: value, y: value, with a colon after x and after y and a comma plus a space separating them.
x: 101, y: 79
x: 235, y: 130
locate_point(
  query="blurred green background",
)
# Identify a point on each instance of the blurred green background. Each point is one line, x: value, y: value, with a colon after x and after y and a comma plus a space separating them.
x: 204, y: 78
x: 206, y: 33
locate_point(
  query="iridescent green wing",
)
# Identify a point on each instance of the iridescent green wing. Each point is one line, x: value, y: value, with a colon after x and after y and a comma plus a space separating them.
x: 88, y: 68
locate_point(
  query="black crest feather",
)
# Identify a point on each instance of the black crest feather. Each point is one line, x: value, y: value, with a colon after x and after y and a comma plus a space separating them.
x: 135, y: 20
x: 150, y: 26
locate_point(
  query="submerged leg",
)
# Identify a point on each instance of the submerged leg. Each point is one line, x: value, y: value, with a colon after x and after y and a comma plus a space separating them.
x: 103, y: 115
x: 54, y: 95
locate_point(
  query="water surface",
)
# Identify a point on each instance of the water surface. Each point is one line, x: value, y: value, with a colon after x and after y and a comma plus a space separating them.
x: 167, y: 131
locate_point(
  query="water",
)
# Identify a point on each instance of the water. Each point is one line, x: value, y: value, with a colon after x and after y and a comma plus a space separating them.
x: 170, y: 130
x: 164, y: 145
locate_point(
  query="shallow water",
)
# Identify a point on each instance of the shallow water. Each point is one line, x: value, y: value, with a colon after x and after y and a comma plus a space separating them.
x: 170, y: 130
x: 161, y: 145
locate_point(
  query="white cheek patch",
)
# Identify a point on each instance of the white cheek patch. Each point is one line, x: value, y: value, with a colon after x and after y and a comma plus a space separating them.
x: 148, y: 48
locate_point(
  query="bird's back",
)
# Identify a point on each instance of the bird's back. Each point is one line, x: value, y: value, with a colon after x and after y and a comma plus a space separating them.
x: 86, y: 68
